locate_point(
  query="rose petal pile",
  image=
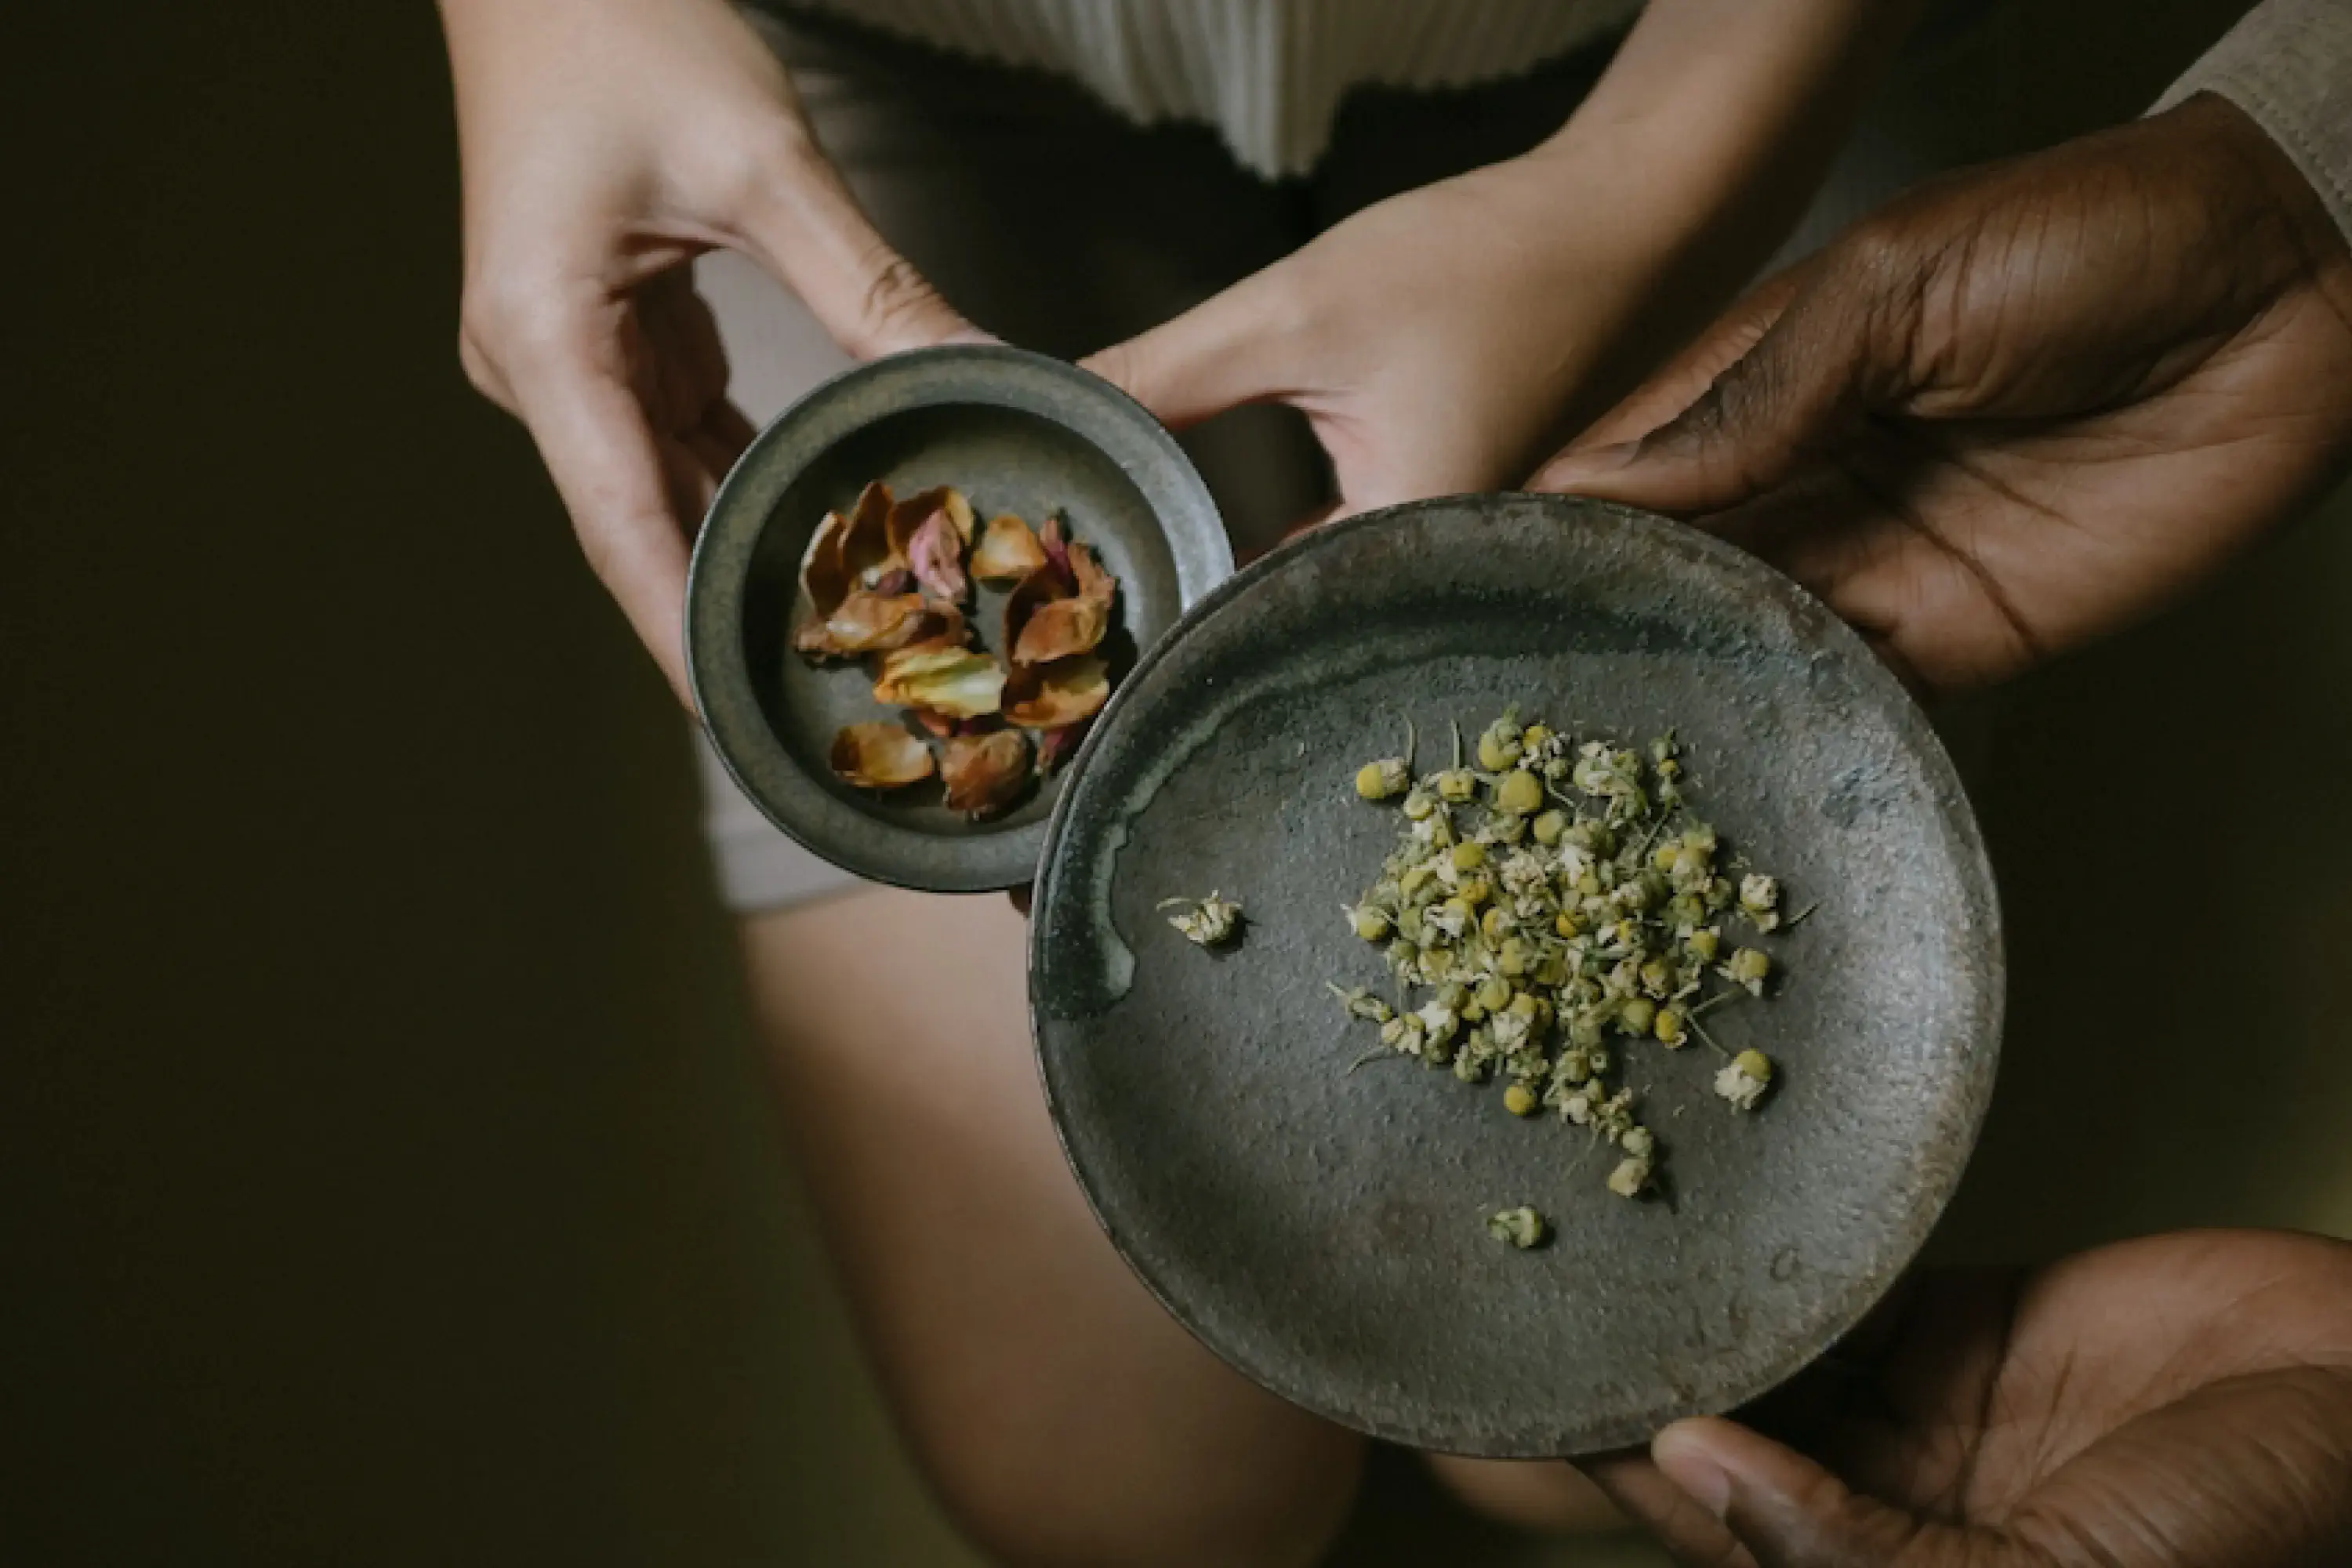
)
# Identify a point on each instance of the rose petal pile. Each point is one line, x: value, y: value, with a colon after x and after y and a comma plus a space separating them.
x: 891, y: 584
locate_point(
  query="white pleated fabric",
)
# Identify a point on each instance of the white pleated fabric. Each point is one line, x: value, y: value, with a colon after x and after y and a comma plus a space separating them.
x: 1268, y: 75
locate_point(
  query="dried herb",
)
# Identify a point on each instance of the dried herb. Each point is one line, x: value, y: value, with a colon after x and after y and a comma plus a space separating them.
x: 1522, y: 1227
x: 1205, y: 922
x: 1054, y: 695
x: 890, y: 580
x: 1008, y: 551
x: 1562, y: 908
x: 960, y: 682
x: 1050, y: 617
x: 984, y: 774
x: 880, y: 755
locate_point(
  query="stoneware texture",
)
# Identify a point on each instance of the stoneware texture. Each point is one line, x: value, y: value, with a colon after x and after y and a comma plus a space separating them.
x: 1322, y: 1231
x: 1015, y: 432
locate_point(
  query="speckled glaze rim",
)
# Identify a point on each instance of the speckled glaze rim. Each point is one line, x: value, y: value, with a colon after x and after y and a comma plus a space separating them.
x: 1298, y: 1384
x: 719, y: 673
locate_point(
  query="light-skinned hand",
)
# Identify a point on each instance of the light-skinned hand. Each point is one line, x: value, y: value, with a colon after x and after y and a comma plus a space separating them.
x: 606, y: 143
x: 1442, y: 341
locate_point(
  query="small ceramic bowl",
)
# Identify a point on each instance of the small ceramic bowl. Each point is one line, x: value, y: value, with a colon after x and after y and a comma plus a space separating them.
x: 1016, y: 432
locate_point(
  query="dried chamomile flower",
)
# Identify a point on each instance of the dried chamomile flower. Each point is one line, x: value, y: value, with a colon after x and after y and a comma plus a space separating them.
x: 1381, y: 780
x: 1521, y: 1227
x: 1501, y: 745
x: 1744, y: 1080
x: 1613, y: 1118
x: 1361, y: 1003
x: 1749, y: 970
x: 1631, y: 1177
x: 1402, y: 1033
x: 1519, y: 794
x: 1759, y: 901
x: 1439, y: 1021
x: 1208, y: 922
x: 1545, y: 928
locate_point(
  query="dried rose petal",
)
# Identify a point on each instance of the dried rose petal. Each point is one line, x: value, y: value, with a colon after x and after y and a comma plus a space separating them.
x: 865, y: 551
x: 1061, y: 627
x: 1053, y: 696
x: 822, y: 577
x: 1086, y: 572
x: 939, y: 724
x: 943, y: 625
x: 880, y: 755
x: 866, y: 622
x: 907, y: 517
x: 1008, y: 551
x: 936, y: 554
x: 958, y: 513
x: 1054, y: 539
x: 1029, y: 596
x: 985, y: 774
x: 957, y: 682
x: 898, y: 580
x: 1056, y: 747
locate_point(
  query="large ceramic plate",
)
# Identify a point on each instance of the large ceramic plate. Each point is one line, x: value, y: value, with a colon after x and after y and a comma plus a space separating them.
x: 1321, y: 1230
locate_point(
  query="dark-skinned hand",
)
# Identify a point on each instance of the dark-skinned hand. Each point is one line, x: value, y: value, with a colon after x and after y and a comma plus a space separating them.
x: 2179, y: 1402
x: 2020, y: 407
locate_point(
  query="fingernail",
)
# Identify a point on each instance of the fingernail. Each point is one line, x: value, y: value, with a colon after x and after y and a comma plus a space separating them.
x: 1690, y: 1467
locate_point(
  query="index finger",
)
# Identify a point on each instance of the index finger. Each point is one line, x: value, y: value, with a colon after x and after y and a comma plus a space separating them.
x: 1685, y: 378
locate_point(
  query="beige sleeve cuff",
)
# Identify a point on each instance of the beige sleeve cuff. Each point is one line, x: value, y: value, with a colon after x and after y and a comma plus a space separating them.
x: 2288, y: 64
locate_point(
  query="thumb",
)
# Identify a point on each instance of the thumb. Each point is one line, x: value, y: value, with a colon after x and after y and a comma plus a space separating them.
x: 1788, y: 376
x: 803, y: 225
x: 1222, y: 353
x: 1791, y: 1513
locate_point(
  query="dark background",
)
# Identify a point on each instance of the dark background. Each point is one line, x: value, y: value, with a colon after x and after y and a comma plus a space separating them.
x: 386, y: 1173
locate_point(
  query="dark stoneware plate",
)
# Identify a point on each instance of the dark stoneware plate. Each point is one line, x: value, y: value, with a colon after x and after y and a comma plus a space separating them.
x: 1015, y: 432
x: 1322, y: 1231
